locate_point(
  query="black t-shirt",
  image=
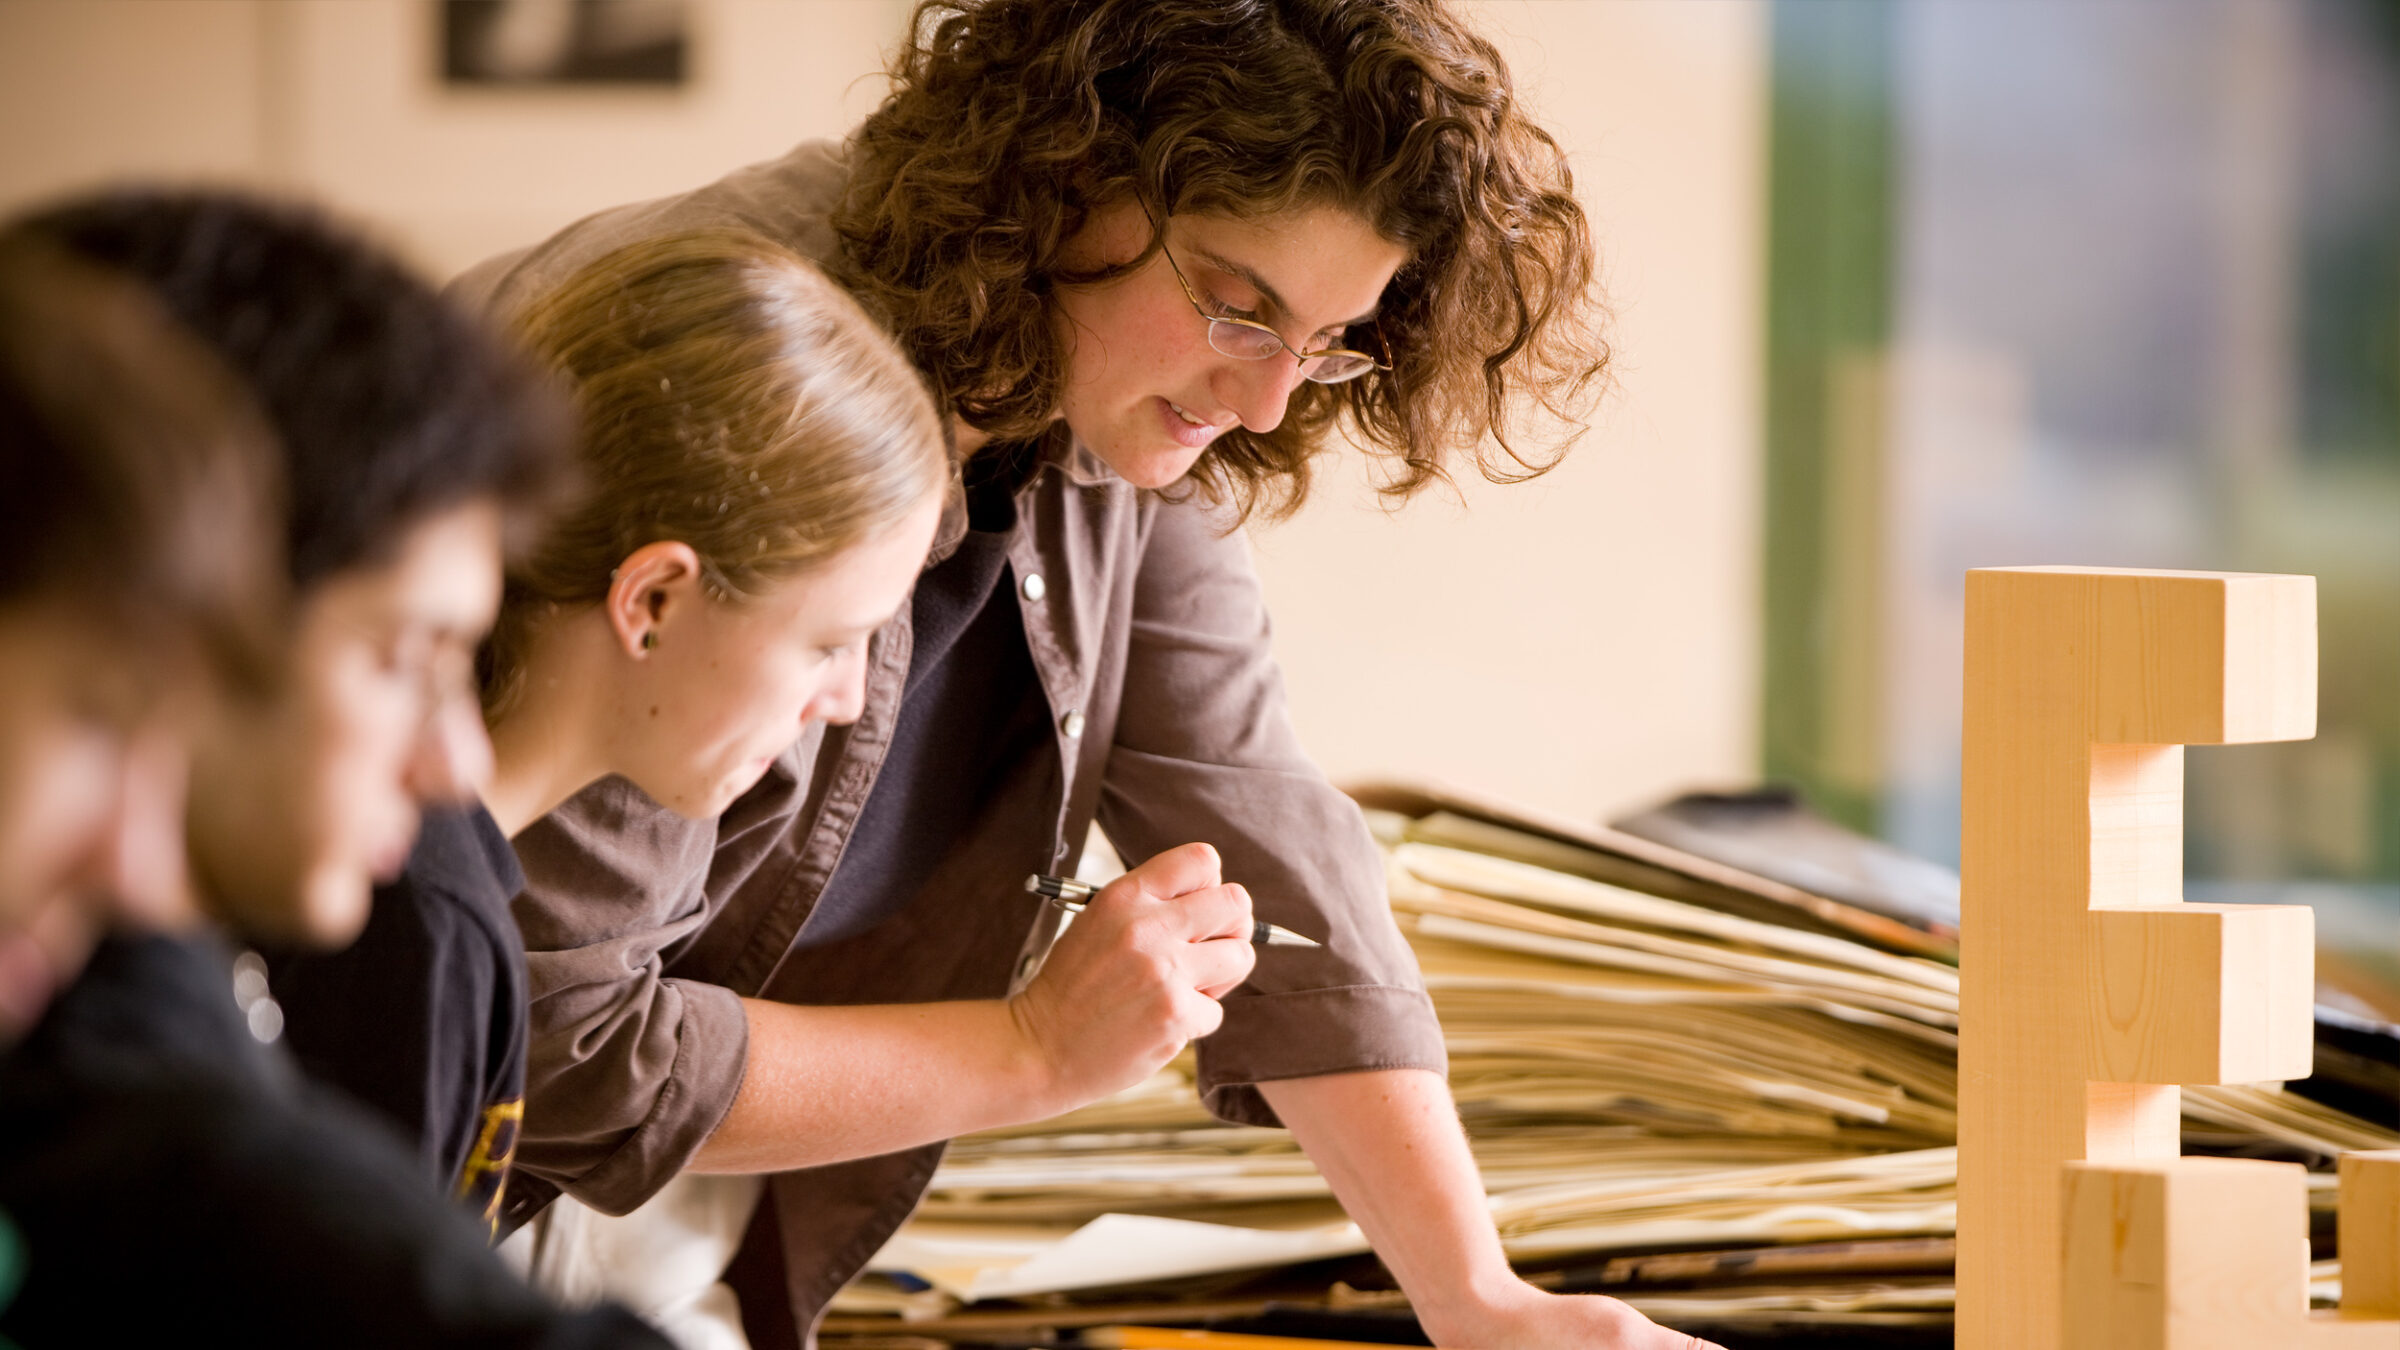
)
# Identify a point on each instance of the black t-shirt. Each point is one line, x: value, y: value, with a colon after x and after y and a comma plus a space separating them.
x: 972, y: 707
x: 424, y: 1017
x: 176, y: 1181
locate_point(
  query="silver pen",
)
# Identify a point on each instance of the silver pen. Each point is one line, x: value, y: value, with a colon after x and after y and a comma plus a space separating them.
x: 1072, y: 895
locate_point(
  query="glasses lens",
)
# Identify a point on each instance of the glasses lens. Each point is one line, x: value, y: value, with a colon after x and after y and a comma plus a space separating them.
x: 1242, y: 341
x: 1335, y: 367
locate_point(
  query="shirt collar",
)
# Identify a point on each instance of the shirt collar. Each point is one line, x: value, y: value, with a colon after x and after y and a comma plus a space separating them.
x: 1061, y: 453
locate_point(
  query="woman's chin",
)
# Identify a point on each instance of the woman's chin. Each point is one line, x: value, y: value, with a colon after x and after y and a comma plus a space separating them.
x: 1164, y: 471
x: 1150, y: 466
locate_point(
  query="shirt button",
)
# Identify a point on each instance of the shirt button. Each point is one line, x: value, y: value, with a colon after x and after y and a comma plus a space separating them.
x: 1035, y: 588
x: 1071, y: 725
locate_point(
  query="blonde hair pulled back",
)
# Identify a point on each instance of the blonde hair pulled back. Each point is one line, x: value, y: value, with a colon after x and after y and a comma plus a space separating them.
x: 732, y: 398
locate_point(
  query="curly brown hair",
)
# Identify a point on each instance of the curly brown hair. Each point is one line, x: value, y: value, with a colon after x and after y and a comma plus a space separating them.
x: 1011, y: 121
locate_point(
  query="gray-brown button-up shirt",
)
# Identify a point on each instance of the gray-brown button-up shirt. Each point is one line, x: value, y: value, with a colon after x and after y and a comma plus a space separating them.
x: 1150, y: 641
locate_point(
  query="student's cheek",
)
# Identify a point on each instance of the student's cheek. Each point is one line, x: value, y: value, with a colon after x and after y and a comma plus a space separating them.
x: 770, y: 721
x: 147, y: 879
x: 55, y: 807
x: 372, y: 721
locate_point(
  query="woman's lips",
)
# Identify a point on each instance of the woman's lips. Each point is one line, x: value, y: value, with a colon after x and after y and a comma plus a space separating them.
x: 1189, y: 435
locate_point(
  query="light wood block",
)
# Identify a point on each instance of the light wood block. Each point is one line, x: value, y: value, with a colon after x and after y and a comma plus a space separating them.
x: 2199, y: 1254
x: 2200, y: 994
x: 2082, y: 687
x: 2370, y: 1234
x: 2183, y: 1253
x: 2090, y: 992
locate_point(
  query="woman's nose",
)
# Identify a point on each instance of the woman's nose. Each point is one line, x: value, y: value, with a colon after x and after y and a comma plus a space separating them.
x: 1259, y: 391
x: 844, y: 695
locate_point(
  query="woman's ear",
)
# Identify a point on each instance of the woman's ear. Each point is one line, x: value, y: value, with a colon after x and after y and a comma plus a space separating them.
x: 648, y: 591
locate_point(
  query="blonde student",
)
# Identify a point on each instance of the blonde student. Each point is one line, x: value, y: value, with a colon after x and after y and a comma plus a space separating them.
x: 762, y: 475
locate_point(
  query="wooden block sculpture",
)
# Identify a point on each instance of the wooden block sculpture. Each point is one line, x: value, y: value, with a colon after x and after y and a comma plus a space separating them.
x: 2092, y: 992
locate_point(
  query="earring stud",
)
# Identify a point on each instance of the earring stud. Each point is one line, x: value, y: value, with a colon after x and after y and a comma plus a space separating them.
x: 649, y: 641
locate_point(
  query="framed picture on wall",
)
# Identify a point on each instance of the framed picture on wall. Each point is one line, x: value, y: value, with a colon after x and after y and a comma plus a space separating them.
x: 564, y: 44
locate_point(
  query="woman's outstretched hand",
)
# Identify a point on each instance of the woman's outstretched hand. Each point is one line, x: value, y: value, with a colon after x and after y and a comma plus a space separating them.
x: 1527, y: 1318
x: 1137, y: 976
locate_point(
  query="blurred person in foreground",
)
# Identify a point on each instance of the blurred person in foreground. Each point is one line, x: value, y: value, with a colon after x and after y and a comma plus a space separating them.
x: 139, y: 577
x: 138, y: 582
x: 153, y: 1143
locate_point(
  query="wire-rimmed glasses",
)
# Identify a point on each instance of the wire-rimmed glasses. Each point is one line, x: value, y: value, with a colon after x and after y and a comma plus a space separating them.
x: 1250, y: 340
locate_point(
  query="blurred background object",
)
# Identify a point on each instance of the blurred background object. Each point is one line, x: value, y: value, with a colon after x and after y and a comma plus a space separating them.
x: 2097, y: 283
x: 535, y: 42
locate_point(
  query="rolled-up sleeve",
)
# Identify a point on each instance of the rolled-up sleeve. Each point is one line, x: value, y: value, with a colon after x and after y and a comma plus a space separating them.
x: 1204, y: 750
x: 629, y: 1072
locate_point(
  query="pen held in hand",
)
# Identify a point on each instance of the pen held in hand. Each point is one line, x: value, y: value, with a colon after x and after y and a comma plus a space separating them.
x: 1073, y: 894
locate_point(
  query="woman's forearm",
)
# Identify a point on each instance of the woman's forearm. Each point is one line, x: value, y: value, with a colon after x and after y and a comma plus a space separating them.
x: 824, y: 1084
x: 1390, y: 1145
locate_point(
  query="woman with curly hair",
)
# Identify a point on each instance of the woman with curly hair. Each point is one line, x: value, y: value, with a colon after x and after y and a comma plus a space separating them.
x: 1153, y: 257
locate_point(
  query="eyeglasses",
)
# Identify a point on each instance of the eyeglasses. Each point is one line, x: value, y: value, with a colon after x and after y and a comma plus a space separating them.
x: 1250, y: 340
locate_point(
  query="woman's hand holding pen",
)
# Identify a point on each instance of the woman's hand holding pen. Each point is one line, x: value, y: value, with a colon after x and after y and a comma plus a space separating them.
x: 1137, y: 976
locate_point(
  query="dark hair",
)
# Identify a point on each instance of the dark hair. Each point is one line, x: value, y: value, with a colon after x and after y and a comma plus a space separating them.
x: 137, y: 482
x: 391, y: 405
x: 1011, y: 120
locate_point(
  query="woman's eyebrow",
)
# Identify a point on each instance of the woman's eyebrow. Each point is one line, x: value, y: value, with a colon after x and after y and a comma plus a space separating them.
x: 1259, y: 284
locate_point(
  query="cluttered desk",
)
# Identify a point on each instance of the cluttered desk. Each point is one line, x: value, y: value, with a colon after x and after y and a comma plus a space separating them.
x: 1709, y: 1062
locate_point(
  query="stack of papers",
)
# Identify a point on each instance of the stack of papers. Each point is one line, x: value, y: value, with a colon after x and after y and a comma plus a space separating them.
x: 1709, y: 1063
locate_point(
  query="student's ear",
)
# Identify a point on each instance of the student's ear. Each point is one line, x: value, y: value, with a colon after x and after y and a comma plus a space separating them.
x: 648, y: 591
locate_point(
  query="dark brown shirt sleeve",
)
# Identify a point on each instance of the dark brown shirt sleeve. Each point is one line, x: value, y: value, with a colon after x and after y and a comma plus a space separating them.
x: 1205, y: 750
x: 629, y: 1071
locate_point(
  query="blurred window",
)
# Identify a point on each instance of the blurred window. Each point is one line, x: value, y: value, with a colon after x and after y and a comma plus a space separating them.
x: 2100, y: 282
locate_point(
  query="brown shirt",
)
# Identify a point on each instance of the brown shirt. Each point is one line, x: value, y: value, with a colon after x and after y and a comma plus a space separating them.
x: 1167, y: 724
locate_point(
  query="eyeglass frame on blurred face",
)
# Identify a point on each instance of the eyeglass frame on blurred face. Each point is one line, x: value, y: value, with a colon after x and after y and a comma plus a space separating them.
x: 1217, y: 323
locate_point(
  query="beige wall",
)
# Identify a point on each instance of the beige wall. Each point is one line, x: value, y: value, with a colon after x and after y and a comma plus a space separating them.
x: 1583, y: 642
x: 338, y: 99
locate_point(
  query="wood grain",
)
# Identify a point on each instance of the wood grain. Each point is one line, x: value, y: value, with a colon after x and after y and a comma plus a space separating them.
x: 2077, y: 1028
x: 2370, y: 1234
x: 2090, y: 993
